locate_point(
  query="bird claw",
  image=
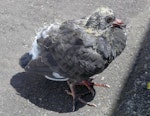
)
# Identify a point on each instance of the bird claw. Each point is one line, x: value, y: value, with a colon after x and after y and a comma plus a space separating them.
x: 108, y: 86
x: 87, y: 103
x: 91, y: 104
x: 101, y: 85
x: 82, y: 101
x: 77, y: 97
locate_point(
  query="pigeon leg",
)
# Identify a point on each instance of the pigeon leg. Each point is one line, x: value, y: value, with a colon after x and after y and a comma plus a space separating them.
x: 89, y: 85
x: 72, y: 93
x: 77, y: 98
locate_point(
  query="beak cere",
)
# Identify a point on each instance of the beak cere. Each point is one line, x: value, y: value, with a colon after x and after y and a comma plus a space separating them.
x: 117, y: 22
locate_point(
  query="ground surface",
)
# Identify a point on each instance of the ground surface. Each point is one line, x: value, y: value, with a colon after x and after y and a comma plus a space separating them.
x: 23, y: 94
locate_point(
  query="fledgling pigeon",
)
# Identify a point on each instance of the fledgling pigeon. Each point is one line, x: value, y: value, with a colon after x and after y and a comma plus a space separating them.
x: 75, y: 50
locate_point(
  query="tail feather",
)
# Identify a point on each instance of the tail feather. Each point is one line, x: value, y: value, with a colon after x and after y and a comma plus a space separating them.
x: 25, y: 59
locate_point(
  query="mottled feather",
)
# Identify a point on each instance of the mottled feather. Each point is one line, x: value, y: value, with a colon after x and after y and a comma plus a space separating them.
x: 75, y: 50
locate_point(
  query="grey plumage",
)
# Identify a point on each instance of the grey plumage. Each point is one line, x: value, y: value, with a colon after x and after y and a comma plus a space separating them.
x: 75, y: 50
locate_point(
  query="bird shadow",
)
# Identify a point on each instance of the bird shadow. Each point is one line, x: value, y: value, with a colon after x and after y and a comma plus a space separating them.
x: 44, y: 93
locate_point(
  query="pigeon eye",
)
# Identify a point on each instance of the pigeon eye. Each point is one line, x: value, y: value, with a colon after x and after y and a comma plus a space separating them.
x: 109, y: 19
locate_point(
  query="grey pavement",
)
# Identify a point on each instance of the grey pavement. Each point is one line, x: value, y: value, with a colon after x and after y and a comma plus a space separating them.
x: 23, y: 94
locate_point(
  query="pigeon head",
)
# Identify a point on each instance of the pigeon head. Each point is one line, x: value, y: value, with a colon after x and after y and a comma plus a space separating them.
x: 102, y: 18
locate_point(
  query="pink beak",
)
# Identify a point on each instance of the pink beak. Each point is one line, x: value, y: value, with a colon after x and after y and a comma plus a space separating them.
x: 117, y: 22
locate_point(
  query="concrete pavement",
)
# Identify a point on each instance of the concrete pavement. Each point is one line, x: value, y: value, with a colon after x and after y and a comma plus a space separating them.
x: 23, y: 94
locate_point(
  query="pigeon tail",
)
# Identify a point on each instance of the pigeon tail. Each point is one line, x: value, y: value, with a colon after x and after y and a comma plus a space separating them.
x: 25, y: 59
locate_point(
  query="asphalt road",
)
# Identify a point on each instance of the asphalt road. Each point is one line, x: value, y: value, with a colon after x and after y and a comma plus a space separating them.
x: 23, y: 94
